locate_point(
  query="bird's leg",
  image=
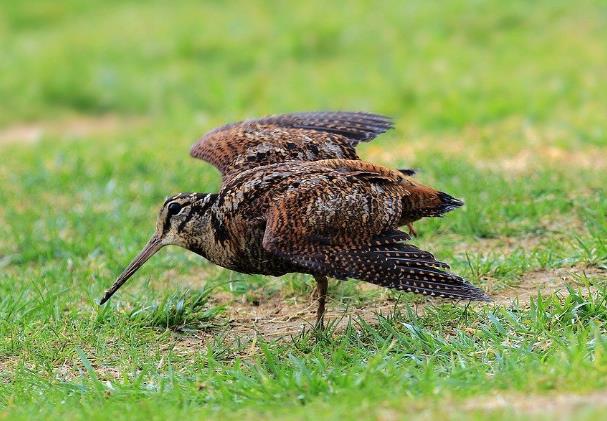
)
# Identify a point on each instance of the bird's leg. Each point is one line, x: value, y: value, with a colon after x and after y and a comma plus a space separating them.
x: 322, y: 285
x: 314, y: 293
x: 412, y: 231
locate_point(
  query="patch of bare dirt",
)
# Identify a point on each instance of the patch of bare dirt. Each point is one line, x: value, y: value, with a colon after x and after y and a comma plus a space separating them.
x: 511, y: 145
x: 546, y: 282
x: 529, y: 159
x: 555, y: 228
x: 560, y: 405
x: 74, y: 127
x: 555, y: 406
x: 280, y: 317
x: 7, y: 367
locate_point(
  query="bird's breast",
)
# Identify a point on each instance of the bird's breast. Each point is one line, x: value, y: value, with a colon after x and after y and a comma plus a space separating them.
x: 236, y: 244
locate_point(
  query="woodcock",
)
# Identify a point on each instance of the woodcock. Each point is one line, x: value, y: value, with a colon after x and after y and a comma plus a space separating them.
x: 296, y: 198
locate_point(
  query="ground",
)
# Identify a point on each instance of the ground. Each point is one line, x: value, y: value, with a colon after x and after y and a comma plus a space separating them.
x: 500, y: 103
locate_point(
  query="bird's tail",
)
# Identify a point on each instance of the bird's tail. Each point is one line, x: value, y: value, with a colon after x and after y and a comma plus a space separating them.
x: 427, y: 202
x: 447, y: 203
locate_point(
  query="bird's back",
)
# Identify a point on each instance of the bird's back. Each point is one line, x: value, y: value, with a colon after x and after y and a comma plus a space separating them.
x: 338, y: 202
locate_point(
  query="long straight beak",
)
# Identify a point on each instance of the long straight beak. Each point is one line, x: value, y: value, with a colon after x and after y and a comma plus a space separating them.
x: 148, y: 251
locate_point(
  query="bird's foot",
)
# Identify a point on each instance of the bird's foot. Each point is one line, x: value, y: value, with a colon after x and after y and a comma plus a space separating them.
x: 322, y: 285
x: 320, y: 324
x: 320, y: 312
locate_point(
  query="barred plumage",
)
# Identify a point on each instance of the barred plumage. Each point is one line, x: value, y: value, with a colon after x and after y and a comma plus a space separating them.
x: 296, y: 198
x: 298, y: 136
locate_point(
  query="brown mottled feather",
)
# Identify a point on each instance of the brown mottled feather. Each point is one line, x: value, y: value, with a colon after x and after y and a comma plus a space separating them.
x: 299, y: 136
x: 331, y: 217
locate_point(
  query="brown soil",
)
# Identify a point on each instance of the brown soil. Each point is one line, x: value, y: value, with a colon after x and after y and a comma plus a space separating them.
x: 74, y: 127
x: 282, y: 318
x: 547, y: 282
x: 279, y: 317
x: 561, y: 405
x: 528, y: 159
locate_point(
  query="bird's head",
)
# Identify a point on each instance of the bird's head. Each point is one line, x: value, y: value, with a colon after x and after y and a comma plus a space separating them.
x: 178, y: 217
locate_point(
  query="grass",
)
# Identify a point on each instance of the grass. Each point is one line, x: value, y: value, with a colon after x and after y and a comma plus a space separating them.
x: 500, y: 103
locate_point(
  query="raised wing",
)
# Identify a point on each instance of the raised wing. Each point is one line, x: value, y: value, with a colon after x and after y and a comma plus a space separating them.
x: 307, y: 136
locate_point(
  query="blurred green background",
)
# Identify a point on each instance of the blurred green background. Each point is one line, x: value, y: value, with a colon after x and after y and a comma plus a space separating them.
x: 439, y: 65
x: 502, y: 103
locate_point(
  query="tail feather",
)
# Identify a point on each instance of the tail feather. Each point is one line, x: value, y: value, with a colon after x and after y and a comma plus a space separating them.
x: 427, y: 202
x: 447, y: 203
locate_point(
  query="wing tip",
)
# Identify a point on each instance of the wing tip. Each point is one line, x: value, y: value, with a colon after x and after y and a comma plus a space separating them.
x: 194, y: 149
x: 359, y: 126
x: 477, y: 294
x: 355, y: 126
x: 409, y: 172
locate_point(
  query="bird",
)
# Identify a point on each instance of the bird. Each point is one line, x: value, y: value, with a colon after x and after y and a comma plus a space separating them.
x: 296, y: 198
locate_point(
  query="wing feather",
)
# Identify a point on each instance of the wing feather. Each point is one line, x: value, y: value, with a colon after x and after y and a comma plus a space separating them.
x: 359, y: 242
x: 356, y: 126
x: 419, y: 272
x: 309, y: 136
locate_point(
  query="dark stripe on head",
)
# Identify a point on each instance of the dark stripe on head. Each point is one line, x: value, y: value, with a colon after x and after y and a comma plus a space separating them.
x: 198, y: 208
x: 198, y: 203
x: 175, y: 197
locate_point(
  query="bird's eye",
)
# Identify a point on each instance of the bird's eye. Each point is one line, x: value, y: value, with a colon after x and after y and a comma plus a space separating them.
x: 174, y: 208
